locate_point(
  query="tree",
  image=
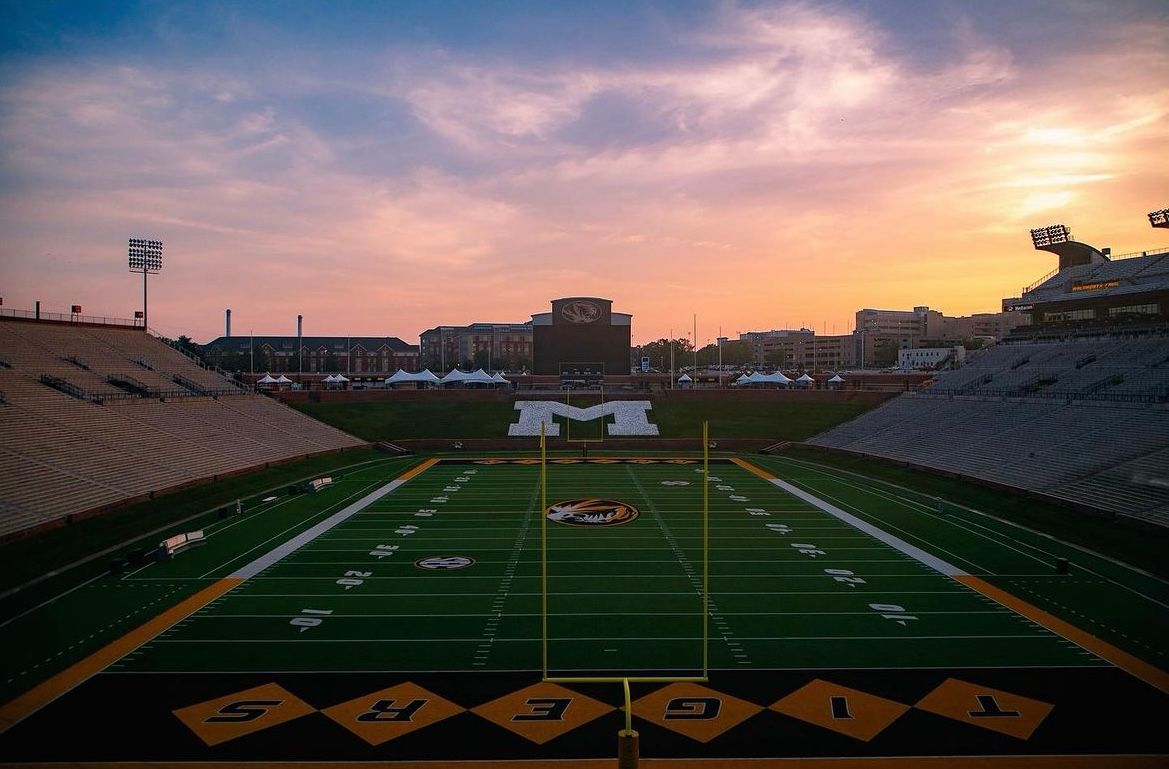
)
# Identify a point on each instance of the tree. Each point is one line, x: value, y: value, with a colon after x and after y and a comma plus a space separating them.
x: 885, y: 353
x: 737, y: 353
x: 481, y: 358
x: 659, y: 353
x: 775, y: 358
x: 332, y: 365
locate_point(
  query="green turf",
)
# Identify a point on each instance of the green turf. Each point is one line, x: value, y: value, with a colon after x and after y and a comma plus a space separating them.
x: 1124, y: 606
x: 397, y: 420
x: 779, y: 420
x: 98, y: 611
x: 675, y: 418
x: 622, y: 599
x: 1144, y: 548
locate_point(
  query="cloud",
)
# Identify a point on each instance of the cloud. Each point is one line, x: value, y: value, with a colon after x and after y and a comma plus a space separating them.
x: 766, y: 165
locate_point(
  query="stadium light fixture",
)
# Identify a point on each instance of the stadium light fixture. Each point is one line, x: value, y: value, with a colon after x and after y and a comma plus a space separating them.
x: 145, y: 256
x: 1159, y: 218
x: 1042, y: 237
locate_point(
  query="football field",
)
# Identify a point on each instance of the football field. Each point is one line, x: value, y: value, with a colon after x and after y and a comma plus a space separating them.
x: 419, y: 615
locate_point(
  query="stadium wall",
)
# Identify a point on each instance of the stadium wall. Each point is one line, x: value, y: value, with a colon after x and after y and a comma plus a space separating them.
x: 760, y: 396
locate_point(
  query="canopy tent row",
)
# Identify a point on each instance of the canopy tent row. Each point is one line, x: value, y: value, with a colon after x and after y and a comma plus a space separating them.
x: 455, y: 376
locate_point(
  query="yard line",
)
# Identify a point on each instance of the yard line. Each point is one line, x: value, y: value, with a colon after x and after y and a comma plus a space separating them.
x: 577, y: 638
x: 504, y: 588
x: 205, y: 671
x: 955, y: 591
x: 445, y: 615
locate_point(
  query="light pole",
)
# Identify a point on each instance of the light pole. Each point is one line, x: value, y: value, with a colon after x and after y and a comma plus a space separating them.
x: 145, y: 257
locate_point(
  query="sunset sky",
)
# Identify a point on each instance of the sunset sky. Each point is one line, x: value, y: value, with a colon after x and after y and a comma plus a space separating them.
x: 385, y: 167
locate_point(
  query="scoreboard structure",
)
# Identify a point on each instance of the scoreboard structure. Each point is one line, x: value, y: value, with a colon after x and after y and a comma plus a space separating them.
x: 582, y: 334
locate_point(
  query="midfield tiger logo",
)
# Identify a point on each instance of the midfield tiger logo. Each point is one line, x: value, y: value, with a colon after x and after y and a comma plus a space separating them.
x: 591, y: 512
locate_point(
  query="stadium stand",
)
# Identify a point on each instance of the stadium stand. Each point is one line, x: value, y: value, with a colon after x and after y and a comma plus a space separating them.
x: 1073, y: 406
x: 1110, y: 456
x: 93, y: 417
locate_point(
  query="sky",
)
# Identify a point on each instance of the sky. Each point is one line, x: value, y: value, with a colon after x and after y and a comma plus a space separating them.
x: 386, y: 167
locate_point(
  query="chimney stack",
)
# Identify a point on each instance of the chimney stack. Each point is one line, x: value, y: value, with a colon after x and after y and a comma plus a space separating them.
x: 227, y: 333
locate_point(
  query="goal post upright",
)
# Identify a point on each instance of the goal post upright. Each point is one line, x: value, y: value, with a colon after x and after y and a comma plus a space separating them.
x: 705, y: 549
x: 544, y: 548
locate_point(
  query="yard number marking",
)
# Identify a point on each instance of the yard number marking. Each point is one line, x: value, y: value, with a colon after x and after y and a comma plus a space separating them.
x: 304, y: 623
x: 897, y: 616
x: 809, y: 550
x: 383, y: 551
x: 349, y: 580
x: 845, y: 576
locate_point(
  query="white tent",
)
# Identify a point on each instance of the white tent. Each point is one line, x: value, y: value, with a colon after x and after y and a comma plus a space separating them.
x: 267, y: 379
x: 777, y: 378
x: 454, y: 376
x: 837, y: 379
x: 283, y: 380
x: 804, y: 379
x: 498, y: 378
x: 685, y: 378
x: 743, y: 379
x: 756, y: 377
x: 427, y: 376
x: 340, y: 378
x: 330, y: 379
x: 479, y: 377
x: 400, y: 376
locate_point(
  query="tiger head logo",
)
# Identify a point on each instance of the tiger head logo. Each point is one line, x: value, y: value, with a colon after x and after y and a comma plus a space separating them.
x: 591, y: 512
x: 581, y: 311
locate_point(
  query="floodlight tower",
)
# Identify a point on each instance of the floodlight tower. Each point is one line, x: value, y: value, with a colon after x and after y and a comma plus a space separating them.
x: 145, y: 257
x: 1057, y: 239
x: 1159, y: 218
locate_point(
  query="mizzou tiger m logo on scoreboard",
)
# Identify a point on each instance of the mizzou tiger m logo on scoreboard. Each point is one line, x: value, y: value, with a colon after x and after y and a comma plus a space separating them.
x: 581, y: 311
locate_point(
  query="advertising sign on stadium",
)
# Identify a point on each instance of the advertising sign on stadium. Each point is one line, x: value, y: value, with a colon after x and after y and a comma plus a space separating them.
x: 1095, y: 286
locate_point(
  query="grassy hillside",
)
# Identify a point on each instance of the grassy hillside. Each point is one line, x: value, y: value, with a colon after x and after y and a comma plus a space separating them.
x: 397, y: 420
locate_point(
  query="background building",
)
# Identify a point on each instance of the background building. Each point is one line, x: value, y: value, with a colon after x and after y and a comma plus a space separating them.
x: 882, y: 333
x: 582, y: 332
x: 801, y: 349
x: 376, y: 355
x: 490, y: 346
x: 931, y: 357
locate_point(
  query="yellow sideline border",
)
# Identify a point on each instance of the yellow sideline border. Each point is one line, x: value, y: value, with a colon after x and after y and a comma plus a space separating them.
x: 16, y: 710
x: 1134, y: 666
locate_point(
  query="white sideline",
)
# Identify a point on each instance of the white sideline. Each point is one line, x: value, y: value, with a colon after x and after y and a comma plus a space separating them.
x: 308, y: 535
x: 916, y: 553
